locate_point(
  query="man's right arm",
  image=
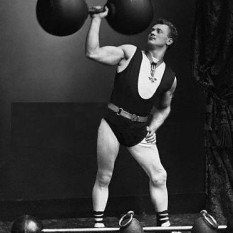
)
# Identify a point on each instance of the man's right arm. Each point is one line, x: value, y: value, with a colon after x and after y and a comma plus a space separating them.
x: 110, y: 55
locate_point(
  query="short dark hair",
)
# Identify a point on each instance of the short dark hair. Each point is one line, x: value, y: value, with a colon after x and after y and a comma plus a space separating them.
x: 173, y: 31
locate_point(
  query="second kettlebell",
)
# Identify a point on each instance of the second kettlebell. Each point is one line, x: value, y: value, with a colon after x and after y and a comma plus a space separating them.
x: 129, y: 224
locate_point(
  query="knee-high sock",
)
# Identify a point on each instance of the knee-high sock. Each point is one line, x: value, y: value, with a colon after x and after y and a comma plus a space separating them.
x: 163, y: 218
x: 99, y: 217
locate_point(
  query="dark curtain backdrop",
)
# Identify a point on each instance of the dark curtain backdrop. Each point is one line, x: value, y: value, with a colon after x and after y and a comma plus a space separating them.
x: 213, y: 72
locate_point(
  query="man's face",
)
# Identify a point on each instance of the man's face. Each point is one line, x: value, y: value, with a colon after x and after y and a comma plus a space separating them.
x: 159, y: 36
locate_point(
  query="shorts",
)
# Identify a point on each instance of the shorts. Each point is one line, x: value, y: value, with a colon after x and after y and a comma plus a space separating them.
x: 128, y: 133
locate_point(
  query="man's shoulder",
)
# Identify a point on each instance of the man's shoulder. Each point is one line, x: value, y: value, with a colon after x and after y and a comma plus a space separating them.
x: 129, y: 49
x: 169, y: 77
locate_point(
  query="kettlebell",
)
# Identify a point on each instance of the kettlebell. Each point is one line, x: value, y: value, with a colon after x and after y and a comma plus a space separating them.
x: 129, y: 224
x: 205, y: 224
x: 26, y: 224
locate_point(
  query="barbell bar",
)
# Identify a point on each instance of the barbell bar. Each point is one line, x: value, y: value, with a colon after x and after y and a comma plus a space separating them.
x: 116, y: 229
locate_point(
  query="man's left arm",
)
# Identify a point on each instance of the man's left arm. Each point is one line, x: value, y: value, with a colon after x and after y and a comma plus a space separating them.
x: 161, y: 112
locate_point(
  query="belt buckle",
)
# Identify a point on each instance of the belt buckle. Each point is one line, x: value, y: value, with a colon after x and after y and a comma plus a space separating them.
x: 119, y: 111
x: 134, y: 117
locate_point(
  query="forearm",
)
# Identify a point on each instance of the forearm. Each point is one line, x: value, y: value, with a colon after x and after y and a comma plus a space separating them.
x: 159, y: 116
x: 92, y: 41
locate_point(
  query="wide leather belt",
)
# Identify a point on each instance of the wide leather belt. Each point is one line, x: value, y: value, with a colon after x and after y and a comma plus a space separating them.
x: 122, y: 112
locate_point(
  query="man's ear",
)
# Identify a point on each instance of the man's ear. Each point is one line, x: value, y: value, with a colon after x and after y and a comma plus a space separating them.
x: 169, y: 41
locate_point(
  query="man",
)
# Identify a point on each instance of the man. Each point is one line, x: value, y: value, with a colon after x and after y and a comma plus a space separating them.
x: 143, y: 82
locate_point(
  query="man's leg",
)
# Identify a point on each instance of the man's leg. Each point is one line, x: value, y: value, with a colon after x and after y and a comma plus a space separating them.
x: 107, y: 151
x: 147, y: 156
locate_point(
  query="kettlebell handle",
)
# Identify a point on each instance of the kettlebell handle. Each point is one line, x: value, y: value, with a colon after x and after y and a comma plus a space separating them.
x: 209, y: 219
x: 129, y: 215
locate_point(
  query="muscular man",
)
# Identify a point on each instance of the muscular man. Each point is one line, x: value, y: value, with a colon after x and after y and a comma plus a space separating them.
x: 143, y: 83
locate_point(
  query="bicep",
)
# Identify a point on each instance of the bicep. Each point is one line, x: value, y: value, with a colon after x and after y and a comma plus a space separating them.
x: 109, y: 55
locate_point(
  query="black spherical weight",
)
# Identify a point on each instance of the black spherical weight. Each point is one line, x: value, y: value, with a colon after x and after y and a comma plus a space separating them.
x: 61, y: 17
x: 129, y: 16
x: 26, y: 224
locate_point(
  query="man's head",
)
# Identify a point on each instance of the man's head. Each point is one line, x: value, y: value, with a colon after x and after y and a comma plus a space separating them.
x: 163, y: 33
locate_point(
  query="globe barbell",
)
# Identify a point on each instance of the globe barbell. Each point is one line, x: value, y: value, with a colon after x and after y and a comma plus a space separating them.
x: 65, y: 17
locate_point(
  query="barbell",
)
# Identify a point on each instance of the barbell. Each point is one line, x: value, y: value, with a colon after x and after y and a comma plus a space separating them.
x: 204, y: 224
x: 65, y: 17
x: 111, y: 229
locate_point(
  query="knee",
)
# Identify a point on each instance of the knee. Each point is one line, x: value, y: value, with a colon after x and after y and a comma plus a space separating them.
x: 159, y: 178
x: 103, y: 178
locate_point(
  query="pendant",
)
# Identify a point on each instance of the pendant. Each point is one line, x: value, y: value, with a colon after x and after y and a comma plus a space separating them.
x: 152, y: 79
x: 152, y: 72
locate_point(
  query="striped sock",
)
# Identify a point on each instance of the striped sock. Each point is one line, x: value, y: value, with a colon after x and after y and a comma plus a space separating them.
x: 99, y: 218
x: 163, y: 218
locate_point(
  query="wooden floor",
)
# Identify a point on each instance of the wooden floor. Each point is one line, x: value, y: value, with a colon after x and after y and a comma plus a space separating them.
x: 145, y: 220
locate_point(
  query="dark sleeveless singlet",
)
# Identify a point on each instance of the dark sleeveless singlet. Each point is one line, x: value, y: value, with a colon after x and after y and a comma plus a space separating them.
x: 125, y: 95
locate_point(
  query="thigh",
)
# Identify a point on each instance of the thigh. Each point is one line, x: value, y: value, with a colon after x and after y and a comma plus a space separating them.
x: 107, y: 147
x: 147, y: 155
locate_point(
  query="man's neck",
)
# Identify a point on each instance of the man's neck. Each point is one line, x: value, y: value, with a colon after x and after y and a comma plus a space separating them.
x: 157, y: 53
